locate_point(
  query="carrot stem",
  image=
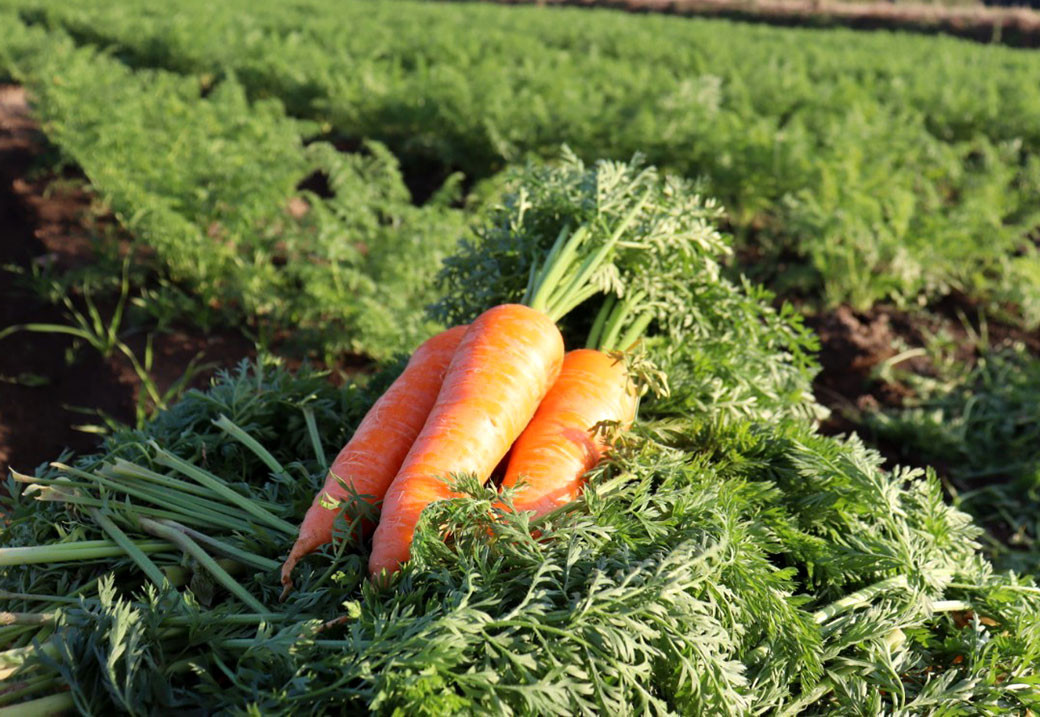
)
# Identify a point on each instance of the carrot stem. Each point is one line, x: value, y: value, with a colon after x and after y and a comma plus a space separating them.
x: 312, y: 432
x: 69, y: 552
x: 635, y: 331
x: 201, y: 508
x: 147, y: 566
x: 192, y: 548
x: 49, y: 705
x: 538, y: 274
x: 228, y: 426
x: 562, y: 299
x: 218, y: 486
x: 230, y: 550
x: 859, y: 598
x: 556, y: 270
x: 614, y: 324
x: 27, y: 687
x: 601, y: 319
x: 125, y: 469
x: 26, y: 618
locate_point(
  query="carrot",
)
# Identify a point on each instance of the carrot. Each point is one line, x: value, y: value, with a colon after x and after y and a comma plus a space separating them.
x: 558, y: 447
x: 369, y: 462
x: 506, y: 363
x: 504, y: 366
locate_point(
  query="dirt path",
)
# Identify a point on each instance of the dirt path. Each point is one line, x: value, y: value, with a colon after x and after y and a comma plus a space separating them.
x: 47, y: 389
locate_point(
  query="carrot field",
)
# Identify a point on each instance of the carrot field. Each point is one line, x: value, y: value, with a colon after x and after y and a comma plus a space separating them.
x: 811, y: 258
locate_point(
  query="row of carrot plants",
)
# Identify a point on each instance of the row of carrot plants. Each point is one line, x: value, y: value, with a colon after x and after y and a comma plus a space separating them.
x: 214, y: 193
x: 856, y: 167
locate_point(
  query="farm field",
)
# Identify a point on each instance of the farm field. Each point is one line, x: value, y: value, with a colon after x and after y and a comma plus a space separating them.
x: 234, y: 220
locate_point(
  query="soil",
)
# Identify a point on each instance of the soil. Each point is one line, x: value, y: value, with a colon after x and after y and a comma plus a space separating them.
x: 855, y: 345
x: 46, y: 388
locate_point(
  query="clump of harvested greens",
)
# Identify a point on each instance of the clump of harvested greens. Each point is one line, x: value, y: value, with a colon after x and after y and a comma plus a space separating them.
x: 725, y: 558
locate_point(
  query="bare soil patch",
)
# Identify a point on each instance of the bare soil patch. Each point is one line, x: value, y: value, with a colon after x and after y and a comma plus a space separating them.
x: 854, y: 345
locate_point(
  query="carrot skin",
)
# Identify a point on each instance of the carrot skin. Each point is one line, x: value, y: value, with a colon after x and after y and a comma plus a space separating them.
x: 500, y: 372
x: 558, y: 447
x: 372, y: 457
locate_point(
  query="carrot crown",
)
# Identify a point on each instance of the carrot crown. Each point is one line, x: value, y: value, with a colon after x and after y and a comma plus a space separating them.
x: 573, y: 271
x: 570, y: 232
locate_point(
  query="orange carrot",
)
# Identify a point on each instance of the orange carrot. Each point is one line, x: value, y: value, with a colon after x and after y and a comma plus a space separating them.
x: 504, y: 366
x: 558, y: 447
x: 369, y: 462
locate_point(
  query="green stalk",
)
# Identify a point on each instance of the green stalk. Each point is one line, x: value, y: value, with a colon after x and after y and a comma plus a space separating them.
x: 564, y: 297
x: 230, y: 550
x: 615, y: 321
x: 573, y: 301
x: 61, y: 554
x: 601, y: 319
x: 27, y: 618
x: 312, y: 433
x: 812, y: 697
x: 125, y: 469
x: 11, y: 635
x: 227, y: 425
x: 40, y: 682
x: 200, y: 508
x: 13, y: 660
x: 245, y: 643
x: 858, y: 598
x: 143, y: 562
x: 72, y: 499
x: 243, y: 618
x: 1014, y: 588
x: 635, y: 331
x: 148, y: 493
x: 555, y: 271
x: 60, y: 482
x: 42, y: 707
x: 191, y: 548
x: 48, y: 329
x: 5, y: 595
x: 563, y: 294
x: 538, y: 273
x: 215, y: 484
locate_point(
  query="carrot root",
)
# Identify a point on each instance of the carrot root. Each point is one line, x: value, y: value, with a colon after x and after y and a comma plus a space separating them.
x: 502, y: 369
x: 369, y: 462
x: 558, y: 447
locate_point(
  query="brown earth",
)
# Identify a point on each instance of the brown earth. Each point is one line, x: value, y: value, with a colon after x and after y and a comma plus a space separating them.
x: 1019, y: 27
x: 856, y: 345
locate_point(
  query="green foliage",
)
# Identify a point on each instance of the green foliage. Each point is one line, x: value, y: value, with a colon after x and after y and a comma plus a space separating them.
x: 724, y: 558
x: 205, y: 184
x: 722, y: 565
x: 722, y: 344
x: 980, y: 421
x: 860, y: 166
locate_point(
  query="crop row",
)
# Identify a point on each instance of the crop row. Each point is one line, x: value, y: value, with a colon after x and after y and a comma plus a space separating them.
x: 860, y: 167
x: 208, y: 187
